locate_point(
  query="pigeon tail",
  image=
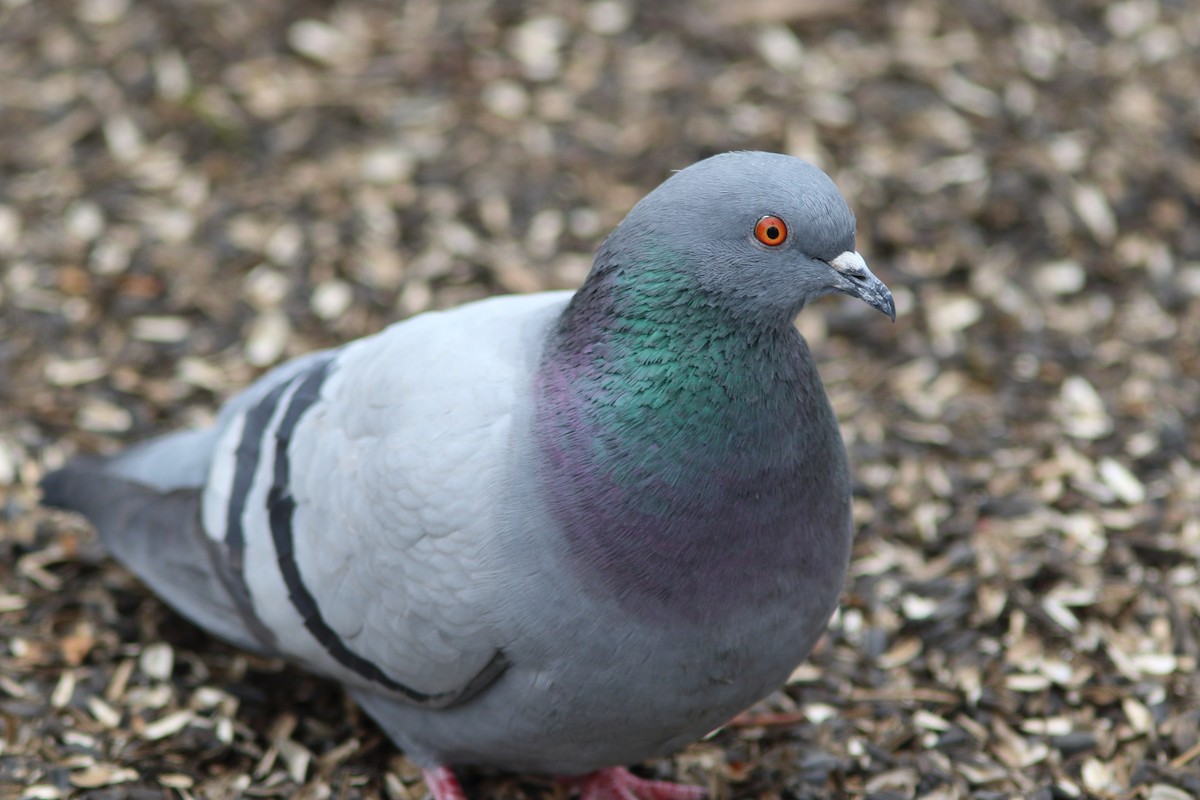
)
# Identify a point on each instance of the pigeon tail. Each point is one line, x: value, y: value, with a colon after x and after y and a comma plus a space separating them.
x: 158, y: 535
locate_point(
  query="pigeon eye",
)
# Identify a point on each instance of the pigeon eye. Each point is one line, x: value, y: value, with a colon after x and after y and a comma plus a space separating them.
x: 770, y: 230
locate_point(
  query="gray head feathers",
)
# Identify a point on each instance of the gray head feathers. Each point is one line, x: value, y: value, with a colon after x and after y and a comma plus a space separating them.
x: 701, y: 223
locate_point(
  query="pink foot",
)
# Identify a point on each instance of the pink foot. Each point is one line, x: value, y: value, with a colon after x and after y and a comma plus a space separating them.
x: 443, y: 785
x: 618, y: 783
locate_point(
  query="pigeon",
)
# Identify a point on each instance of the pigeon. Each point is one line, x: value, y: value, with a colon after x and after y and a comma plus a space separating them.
x: 556, y: 533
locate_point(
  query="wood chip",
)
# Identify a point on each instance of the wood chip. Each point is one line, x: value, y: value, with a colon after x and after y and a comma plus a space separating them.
x: 12, y: 602
x: 297, y: 758
x: 99, y: 775
x: 1155, y: 663
x: 102, y: 416
x: 1027, y: 683
x: 105, y: 714
x: 61, y: 372
x: 1122, y: 481
x: 119, y: 681
x: 176, y: 780
x: 900, y: 654
x: 1093, y: 208
x: 157, y: 661
x: 267, y: 339
x: 1165, y: 791
x: 1083, y: 413
x: 63, y: 690
x: 42, y: 791
x: 167, y: 725
x: 161, y: 330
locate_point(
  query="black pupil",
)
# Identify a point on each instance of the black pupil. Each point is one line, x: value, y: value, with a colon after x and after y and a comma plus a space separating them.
x: 772, y: 232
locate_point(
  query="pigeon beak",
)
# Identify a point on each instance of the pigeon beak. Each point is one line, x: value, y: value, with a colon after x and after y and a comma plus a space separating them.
x: 854, y: 279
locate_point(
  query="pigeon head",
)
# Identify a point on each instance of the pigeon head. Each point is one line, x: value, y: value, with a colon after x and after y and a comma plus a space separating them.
x: 761, y: 234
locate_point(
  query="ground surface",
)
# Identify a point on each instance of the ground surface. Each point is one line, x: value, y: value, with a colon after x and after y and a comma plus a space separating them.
x: 190, y: 192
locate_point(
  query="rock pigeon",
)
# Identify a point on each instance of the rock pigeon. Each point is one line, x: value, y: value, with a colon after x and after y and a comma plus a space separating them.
x: 555, y: 533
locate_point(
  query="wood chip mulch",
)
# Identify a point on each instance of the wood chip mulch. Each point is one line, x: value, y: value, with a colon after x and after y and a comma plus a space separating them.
x: 192, y: 192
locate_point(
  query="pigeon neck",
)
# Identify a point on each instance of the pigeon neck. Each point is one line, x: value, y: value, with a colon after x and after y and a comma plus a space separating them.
x: 673, y: 441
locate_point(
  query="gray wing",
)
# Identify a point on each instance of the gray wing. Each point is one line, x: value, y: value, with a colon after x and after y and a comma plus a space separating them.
x: 145, y: 504
x: 345, y: 502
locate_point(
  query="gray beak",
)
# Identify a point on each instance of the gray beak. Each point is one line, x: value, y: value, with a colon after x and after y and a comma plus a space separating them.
x: 854, y: 279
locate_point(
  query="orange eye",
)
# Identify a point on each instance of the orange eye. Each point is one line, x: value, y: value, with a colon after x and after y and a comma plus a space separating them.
x: 770, y: 230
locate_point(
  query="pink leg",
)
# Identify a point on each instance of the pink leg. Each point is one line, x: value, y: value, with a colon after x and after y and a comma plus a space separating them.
x: 618, y: 783
x: 443, y: 785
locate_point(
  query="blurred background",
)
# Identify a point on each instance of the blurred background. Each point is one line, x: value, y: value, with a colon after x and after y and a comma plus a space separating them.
x: 191, y: 192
